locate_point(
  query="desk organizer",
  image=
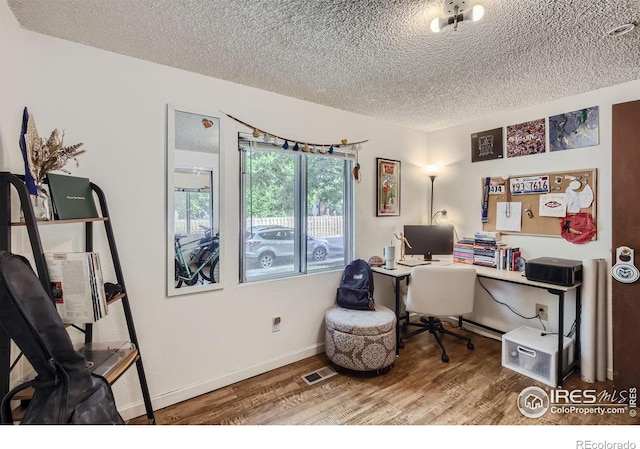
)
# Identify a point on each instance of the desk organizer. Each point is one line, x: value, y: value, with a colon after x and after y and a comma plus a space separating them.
x: 527, y: 352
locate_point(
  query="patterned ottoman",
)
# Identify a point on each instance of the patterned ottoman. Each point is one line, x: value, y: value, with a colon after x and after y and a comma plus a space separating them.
x: 361, y: 340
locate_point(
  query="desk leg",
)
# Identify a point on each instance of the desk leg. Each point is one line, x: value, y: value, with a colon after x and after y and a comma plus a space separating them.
x: 576, y: 353
x: 399, y: 342
x: 560, y: 366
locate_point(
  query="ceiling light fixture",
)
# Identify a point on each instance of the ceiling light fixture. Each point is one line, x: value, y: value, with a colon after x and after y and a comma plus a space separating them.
x: 456, y: 11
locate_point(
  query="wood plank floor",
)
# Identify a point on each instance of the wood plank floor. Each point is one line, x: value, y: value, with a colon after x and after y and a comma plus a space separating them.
x: 473, y: 388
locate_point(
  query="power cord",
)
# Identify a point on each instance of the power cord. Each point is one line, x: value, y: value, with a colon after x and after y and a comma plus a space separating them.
x: 569, y: 334
x: 511, y: 308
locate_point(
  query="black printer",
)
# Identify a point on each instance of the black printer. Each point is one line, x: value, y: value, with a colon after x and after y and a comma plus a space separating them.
x: 554, y: 271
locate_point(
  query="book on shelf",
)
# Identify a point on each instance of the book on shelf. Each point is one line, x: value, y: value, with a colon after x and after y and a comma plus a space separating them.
x: 77, y: 286
x: 71, y: 197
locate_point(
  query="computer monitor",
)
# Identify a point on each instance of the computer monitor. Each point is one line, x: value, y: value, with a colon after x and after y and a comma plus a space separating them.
x: 427, y: 240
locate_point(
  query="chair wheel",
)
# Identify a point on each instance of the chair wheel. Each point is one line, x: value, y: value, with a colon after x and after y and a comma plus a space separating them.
x: 470, y: 345
x: 445, y: 358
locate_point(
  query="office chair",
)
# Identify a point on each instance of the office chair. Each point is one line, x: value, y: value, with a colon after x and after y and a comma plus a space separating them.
x: 440, y: 291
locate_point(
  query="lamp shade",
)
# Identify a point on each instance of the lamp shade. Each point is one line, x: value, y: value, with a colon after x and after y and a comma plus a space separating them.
x: 433, y: 169
x: 441, y: 217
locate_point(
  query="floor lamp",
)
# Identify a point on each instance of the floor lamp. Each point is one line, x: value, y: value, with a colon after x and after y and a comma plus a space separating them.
x: 433, y: 178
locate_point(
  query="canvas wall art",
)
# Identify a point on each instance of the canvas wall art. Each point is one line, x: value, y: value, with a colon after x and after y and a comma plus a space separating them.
x: 526, y: 138
x: 487, y: 145
x: 575, y: 129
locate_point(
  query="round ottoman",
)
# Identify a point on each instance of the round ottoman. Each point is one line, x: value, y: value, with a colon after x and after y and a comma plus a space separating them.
x: 361, y: 340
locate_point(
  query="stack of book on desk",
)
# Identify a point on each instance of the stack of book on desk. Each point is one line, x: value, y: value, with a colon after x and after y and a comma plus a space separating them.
x: 463, y: 251
x: 485, y: 249
x: 508, y: 257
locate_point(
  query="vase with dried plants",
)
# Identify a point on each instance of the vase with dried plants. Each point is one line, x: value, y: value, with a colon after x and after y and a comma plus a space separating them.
x: 43, y: 156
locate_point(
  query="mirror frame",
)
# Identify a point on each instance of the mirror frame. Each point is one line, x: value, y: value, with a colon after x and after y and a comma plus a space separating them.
x: 170, y: 168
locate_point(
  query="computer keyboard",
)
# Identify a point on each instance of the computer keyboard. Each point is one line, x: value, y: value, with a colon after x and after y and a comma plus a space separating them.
x: 413, y: 262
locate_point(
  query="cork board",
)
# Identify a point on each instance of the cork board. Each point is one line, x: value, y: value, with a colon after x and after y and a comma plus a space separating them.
x: 532, y: 223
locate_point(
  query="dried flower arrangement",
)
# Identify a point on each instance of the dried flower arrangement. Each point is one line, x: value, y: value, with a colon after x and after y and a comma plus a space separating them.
x: 45, y: 155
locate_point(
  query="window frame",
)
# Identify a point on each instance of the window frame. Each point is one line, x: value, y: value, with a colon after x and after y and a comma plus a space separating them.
x: 301, y: 206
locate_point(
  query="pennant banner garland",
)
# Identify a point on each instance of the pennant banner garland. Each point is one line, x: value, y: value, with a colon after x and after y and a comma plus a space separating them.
x: 307, y: 147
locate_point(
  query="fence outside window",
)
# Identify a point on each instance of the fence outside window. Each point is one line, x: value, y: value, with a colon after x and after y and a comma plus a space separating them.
x: 317, y: 226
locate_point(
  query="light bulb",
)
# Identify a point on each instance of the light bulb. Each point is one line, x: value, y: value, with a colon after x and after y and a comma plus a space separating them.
x: 478, y: 13
x: 435, y: 25
x: 432, y: 169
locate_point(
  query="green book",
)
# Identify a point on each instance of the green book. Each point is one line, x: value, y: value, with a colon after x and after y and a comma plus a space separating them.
x: 71, y: 196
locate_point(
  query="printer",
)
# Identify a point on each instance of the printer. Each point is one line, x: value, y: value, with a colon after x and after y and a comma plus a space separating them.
x: 554, y: 271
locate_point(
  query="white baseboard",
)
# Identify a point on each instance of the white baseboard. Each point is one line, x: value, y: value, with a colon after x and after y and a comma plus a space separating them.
x: 163, y: 400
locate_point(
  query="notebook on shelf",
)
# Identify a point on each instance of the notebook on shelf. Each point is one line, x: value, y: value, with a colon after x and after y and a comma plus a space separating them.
x: 72, y: 197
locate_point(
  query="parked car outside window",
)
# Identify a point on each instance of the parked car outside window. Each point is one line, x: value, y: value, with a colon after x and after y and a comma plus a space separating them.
x: 266, y: 245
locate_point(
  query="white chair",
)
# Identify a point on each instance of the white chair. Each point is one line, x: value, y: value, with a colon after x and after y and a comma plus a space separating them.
x: 440, y: 291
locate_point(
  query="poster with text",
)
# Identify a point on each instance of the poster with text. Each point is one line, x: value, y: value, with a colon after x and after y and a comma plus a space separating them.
x: 526, y: 138
x: 487, y: 145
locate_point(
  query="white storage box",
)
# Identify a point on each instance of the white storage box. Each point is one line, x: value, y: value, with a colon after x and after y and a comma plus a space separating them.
x: 526, y: 351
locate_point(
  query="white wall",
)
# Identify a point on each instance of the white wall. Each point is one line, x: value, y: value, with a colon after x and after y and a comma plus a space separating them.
x: 458, y: 190
x: 11, y: 83
x: 116, y: 106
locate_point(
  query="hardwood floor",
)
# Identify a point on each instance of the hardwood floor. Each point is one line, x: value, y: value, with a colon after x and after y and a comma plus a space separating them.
x: 473, y: 388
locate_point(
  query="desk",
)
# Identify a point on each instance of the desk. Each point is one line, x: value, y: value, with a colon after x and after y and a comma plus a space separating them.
x: 401, y: 273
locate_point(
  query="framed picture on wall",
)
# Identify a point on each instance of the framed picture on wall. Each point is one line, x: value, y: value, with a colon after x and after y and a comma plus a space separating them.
x: 526, y: 138
x: 487, y: 145
x: 388, y: 188
x: 575, y: 129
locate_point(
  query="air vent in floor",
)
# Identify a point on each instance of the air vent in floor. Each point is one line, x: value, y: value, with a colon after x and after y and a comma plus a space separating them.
x: 319, y: 375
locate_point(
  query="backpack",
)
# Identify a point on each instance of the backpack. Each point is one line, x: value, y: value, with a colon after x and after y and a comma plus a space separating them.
x: 356, y: 287
x: 65, y: 389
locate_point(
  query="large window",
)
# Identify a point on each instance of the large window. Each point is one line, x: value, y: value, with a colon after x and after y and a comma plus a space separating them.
x: 297, y: 211
x: 193, y: 204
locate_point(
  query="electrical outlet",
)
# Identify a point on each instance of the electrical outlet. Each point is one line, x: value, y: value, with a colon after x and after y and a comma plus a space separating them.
x: 275, y: 324
x: 542, y: 312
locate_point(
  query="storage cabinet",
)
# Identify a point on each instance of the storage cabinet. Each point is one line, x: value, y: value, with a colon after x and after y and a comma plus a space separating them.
x: 130, y: 357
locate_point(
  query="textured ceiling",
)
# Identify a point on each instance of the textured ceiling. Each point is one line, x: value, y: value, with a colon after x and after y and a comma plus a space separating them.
x: 373, y: 57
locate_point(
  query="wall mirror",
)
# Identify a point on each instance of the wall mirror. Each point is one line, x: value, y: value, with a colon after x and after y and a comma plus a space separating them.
x: 193, y: 201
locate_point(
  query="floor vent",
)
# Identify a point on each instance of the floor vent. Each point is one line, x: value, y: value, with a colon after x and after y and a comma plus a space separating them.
x: 319, y: 375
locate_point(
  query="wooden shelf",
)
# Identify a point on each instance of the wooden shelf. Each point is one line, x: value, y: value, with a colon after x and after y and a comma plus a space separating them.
x: 129, y: 357
x: 56, y: 222
x: 116, y: 298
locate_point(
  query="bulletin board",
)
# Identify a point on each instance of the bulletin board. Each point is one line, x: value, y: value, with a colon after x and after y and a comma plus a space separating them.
x: 528, y: 190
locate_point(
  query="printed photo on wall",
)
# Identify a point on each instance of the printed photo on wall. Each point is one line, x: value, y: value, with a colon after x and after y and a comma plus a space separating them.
x: 576, y: 129
x: 487, y: 145
x: 526, y: 138
x: 388, y: 187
